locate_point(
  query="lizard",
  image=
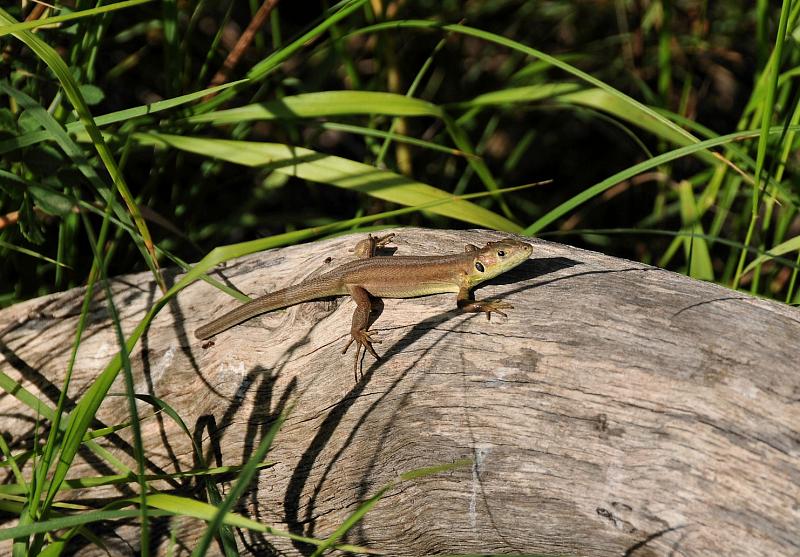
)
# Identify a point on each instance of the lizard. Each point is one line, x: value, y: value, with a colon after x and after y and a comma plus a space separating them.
x: 403, y: 276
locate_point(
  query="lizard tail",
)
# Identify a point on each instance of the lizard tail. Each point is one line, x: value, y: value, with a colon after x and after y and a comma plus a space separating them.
x: 303, y: 292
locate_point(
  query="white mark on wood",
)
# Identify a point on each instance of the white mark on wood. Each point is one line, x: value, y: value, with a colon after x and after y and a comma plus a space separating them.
x: 105, y: 350
x: 477, y: 469
x: 233, y: 372
x: 163, y: 364
x: 615, y: 482
x: 673, y: 517
x: 744, y: 387
x: 156, y: 373
x: 500, y: 374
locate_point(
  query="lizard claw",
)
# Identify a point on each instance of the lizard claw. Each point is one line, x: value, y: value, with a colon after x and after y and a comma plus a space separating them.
x: 383, y: 241
x: 489, y: 306
x: 363, y: 341
x: 369, y: 247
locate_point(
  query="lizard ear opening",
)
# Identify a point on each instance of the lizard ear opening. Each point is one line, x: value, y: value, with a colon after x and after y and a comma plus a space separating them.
x: 479, y: 266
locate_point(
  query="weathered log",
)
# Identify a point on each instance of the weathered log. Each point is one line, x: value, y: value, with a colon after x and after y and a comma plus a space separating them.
x: 619, y: 410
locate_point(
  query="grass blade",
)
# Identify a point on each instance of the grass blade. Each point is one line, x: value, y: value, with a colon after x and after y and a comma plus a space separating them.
x: 27, y: 25
x: 631, y: 171
x: 696, y: 248
x: 323, y: 104
x: 77, y: 128
x: 337, y: 171
x: 60, y: 523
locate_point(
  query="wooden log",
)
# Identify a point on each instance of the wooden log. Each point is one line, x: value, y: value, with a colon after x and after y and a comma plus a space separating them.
x: 619, y: 410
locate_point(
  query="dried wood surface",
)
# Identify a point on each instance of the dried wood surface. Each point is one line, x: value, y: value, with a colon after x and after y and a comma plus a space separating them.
x: 619, y: 410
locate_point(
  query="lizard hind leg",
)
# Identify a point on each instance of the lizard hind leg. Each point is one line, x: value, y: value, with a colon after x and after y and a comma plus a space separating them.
x: 359, y: 333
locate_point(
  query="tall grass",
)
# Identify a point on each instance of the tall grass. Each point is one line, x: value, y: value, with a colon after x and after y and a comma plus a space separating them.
x: 120, y: 152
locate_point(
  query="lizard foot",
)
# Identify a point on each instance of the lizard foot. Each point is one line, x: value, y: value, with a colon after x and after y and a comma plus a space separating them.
x: 370, y: 246
x: 382, y: 241
x: 363, y: 341
x: 487, y: 307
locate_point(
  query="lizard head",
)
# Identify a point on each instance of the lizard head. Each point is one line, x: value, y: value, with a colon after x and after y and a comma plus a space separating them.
x: 496, y: 258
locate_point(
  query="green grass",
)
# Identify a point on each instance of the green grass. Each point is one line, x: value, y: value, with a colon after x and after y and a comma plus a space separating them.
x: 342, y: 120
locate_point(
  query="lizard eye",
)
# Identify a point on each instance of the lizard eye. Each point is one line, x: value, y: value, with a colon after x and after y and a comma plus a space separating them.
x: 479, y: 266
x: 501, y: 253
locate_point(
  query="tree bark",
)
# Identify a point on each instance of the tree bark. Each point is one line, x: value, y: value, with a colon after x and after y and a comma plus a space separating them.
x: 619, y: 410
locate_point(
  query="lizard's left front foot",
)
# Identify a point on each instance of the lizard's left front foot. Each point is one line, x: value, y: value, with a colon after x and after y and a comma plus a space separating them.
x: 363, y: 340
x: 487, y: 307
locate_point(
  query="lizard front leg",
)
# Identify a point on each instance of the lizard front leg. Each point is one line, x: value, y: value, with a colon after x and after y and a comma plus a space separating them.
x: 359, y: 334
x: 466, y: 303
x: 369, y: 247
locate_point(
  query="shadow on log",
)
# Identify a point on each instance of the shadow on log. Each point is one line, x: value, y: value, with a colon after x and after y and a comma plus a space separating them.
x: 619, y: 410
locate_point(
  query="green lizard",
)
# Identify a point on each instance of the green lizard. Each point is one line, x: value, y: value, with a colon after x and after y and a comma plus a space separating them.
x: 390, y: 277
